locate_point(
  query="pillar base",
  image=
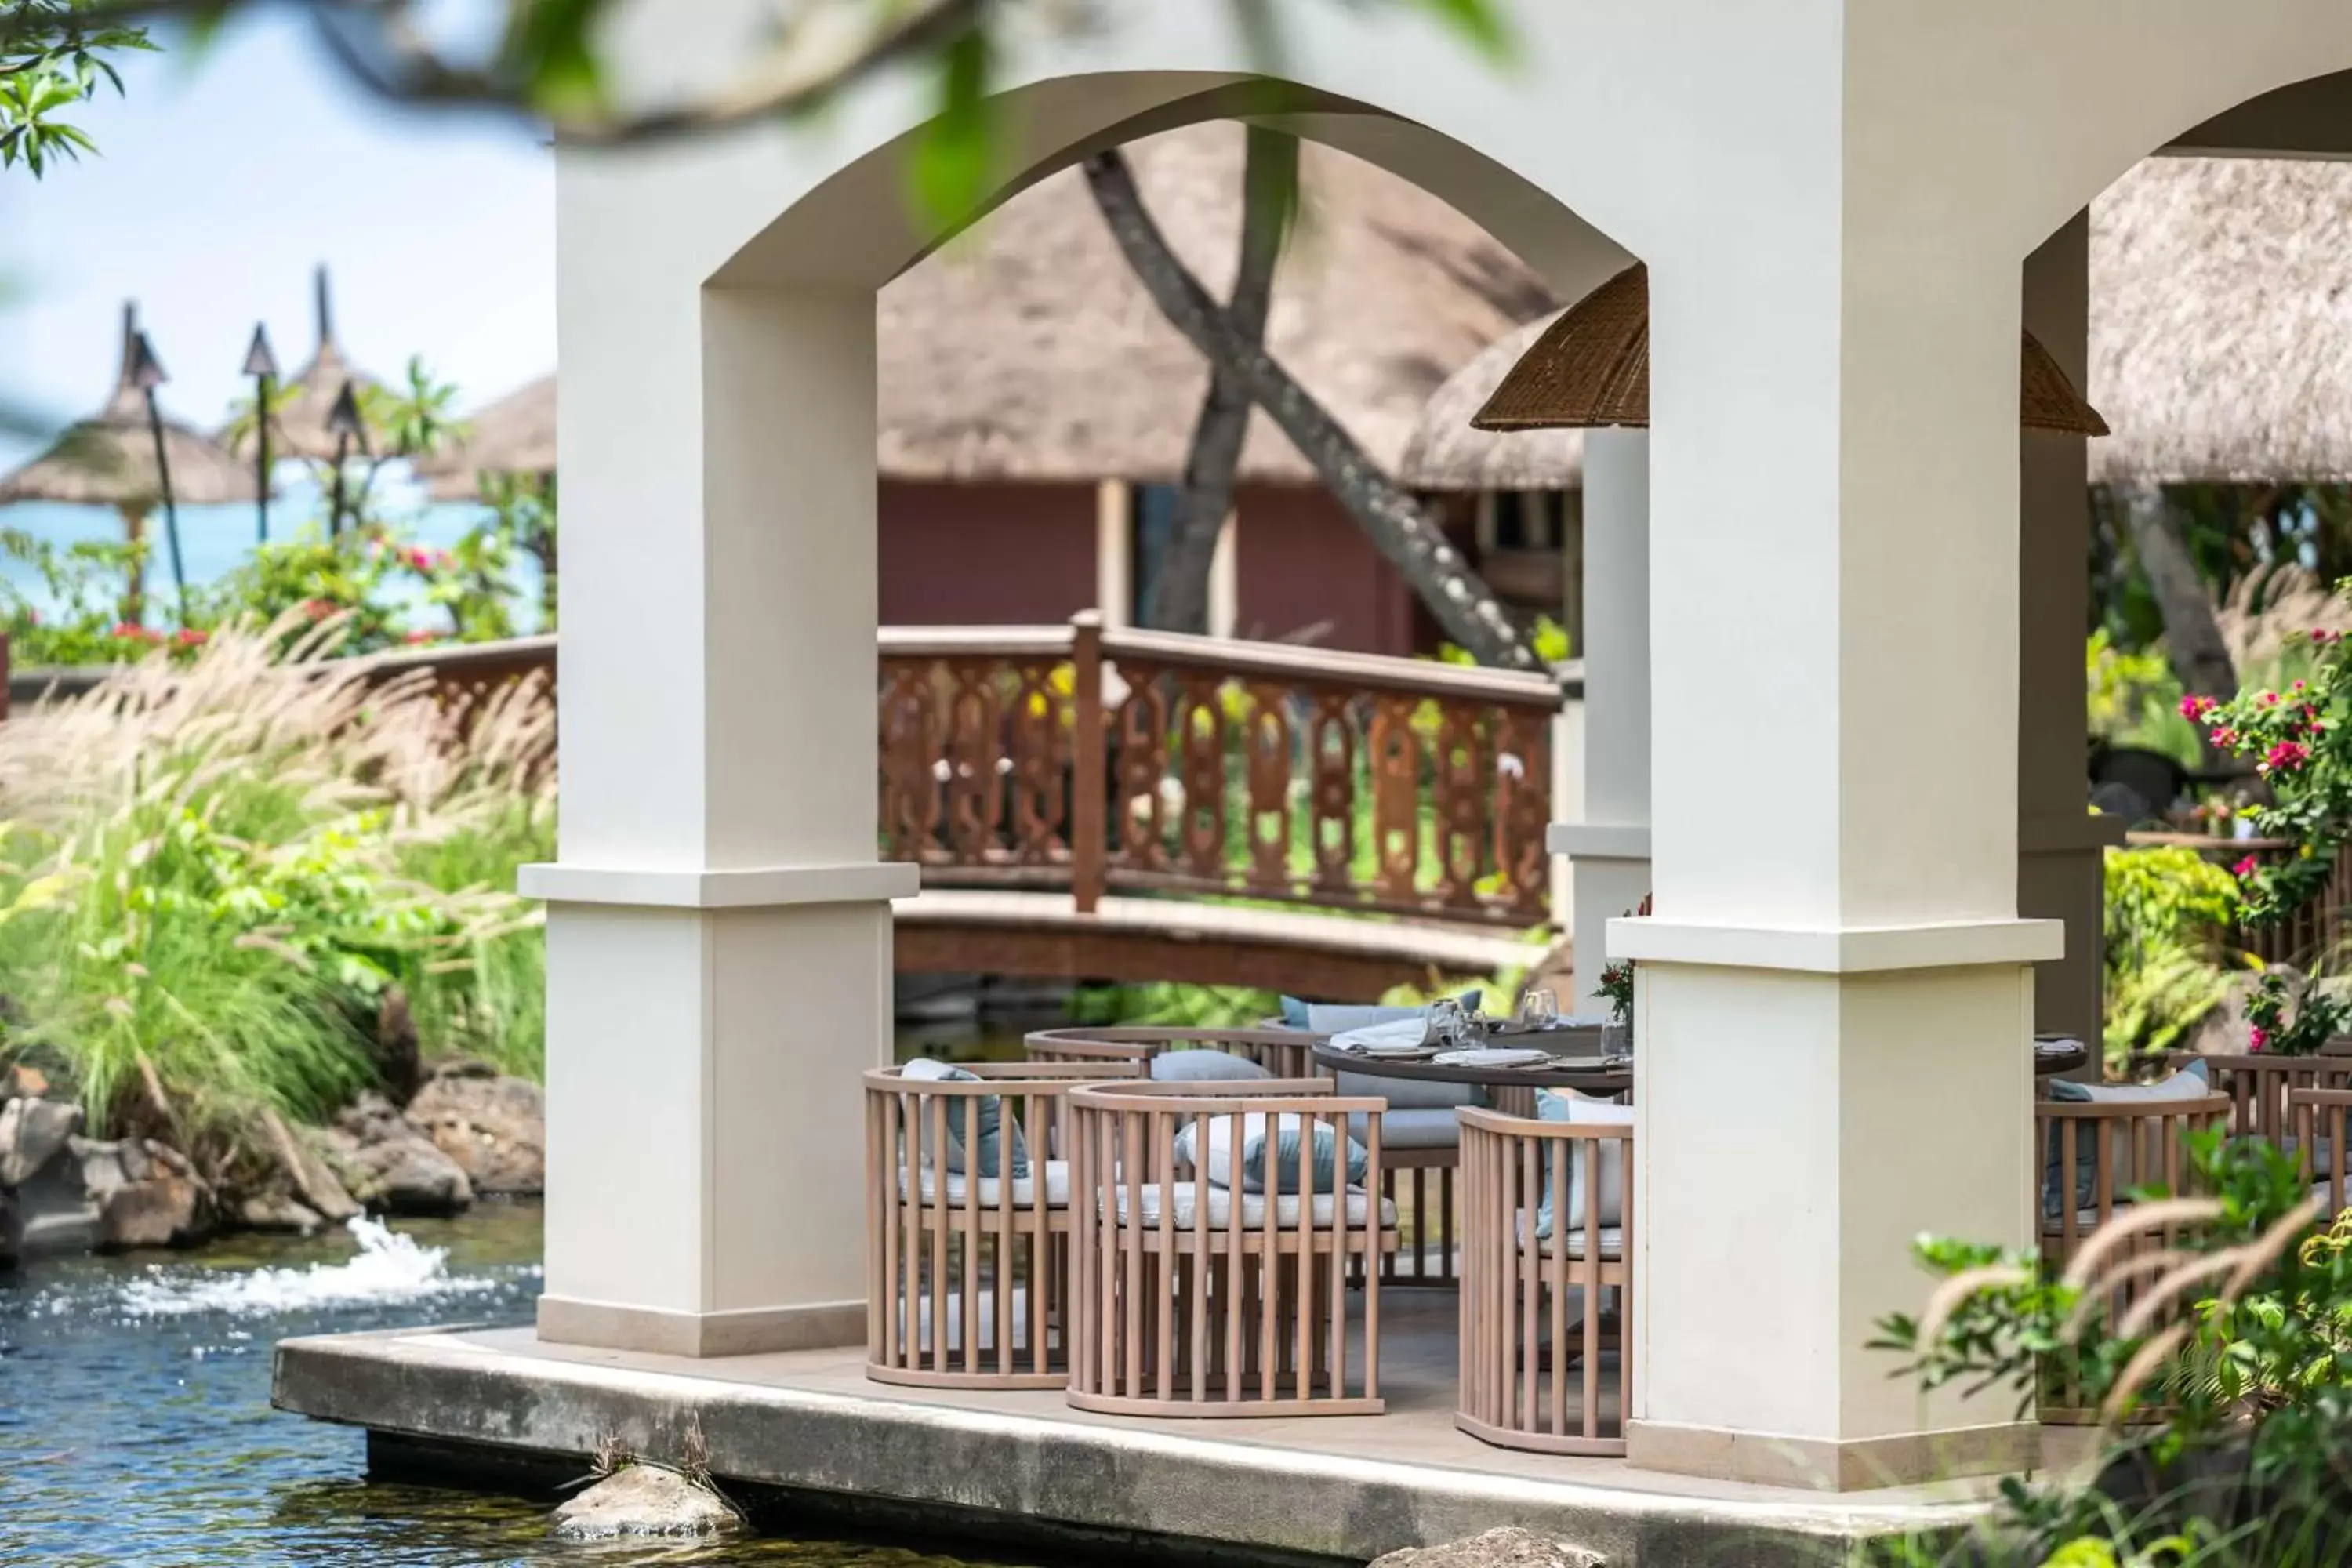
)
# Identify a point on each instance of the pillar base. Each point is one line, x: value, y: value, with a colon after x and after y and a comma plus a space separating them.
x: 750, y: 1330
x: 1822, y: 1464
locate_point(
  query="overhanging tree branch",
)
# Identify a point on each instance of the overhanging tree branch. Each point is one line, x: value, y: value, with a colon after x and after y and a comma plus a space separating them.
x: 1398, y: 526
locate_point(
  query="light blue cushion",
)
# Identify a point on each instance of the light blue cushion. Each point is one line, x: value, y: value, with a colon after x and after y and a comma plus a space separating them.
x: 1294, y: 1013
x: 2191, y: 1082
x: 1408, y: 1130
x: 1412, y: 1093
x: 1339, y: 1017
x: 1553, y: 1105
x: 959, y: 1111
x: 1217, y: 1167
x: 1194, y: 1067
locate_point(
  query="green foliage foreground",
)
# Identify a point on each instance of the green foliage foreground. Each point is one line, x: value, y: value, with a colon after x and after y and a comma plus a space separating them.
x: 216, y: 869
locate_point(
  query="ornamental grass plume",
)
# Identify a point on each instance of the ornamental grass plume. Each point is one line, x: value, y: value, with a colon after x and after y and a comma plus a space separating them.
x: 214, y: 867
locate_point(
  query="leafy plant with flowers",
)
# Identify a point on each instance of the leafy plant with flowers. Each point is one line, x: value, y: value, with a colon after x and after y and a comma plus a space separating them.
x: 2300, y: 741
x: 1617, y: 979
x: 2287, y: 1025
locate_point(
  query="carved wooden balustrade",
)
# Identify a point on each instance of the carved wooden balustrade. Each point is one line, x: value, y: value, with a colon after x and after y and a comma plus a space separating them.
x: 1123, y: 760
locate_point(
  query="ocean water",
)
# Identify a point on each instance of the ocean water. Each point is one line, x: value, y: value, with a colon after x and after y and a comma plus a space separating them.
x: 216, y: 539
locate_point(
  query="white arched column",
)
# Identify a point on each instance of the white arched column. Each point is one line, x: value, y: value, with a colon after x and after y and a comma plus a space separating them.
x: 1609, y: 847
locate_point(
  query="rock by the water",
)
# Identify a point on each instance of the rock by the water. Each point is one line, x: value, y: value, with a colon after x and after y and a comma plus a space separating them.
x: 12, y: 1229
x: 277, y: 1211
x: 493, y: 1127
x: 1508, y: 1547
x: 33, y: 1131
x: 388, y: 1166
x: 645, y: 1499
x: 299, y: 1180
x: 147, y: 1194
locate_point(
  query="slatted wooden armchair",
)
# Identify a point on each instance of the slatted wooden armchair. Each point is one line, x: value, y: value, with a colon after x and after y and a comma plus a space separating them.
x: 968, y: 1271
x: 1547, y: 1283
x: 1200, y: 1296
x: 2260, y: 1085
x: 2089, y: 1157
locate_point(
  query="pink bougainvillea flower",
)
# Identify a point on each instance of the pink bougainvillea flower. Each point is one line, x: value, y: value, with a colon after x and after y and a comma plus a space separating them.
x: 2285, y: 757
x: 2269, y: 699
x: 2323, y: 636
x: 2257, y: 1037
x: 2245, y: 867
x: 2225, y: 736
x: 2194, y: 706
x: 191, y: 637
x: 317, y: 609
x: 421, y: 634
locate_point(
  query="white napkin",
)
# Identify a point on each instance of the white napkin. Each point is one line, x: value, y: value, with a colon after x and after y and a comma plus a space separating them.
x: 1377, y: 1040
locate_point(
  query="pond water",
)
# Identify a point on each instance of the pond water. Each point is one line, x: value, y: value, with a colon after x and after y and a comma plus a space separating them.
x: 135, y: 1425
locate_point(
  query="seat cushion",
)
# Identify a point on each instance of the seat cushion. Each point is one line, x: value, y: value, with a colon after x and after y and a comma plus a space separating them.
x: 1411, y: 1094
x: 1566, y: 1105
x: 1403, y: 1130
x: 1198, y: 1067
x: 992, y: 1191
x: 1571, y: 1243
x: 1253, y: 1207
x: 2092, y: 1139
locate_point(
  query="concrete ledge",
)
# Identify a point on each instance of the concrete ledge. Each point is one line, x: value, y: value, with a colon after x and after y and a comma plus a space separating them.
x: 759, y: 887
x: 1825, y: 1465
x: 609, y: 1326
x: 1018, y: 1458
x: 1852, y: 950
x: 1599, y: 840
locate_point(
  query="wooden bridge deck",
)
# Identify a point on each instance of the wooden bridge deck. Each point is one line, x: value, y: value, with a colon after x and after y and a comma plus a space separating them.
x: 1305, y: 952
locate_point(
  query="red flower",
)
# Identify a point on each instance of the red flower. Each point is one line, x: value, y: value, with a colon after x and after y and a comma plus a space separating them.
x: 421, y: 634
x: 2245, y: 867
x: 2256, y: 1037
x: 2285, y: 757
x: 190, y: 636
x: 317, y: 609
x: 2269, y: 699
x: 2194, y: 706
x: 2323, y: 636
x: 2225, y: 736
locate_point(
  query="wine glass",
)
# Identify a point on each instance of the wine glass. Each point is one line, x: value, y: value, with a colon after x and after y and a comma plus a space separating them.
x: 1540, y: 1010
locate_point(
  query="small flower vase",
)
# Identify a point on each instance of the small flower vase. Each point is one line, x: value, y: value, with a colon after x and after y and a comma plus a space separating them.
x: 1617, y: 1040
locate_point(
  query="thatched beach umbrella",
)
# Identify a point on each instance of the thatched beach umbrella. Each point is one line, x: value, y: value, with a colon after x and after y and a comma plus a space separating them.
x: 1509, y: 419
x: 110, y: 462
x: 516, y: 435
x: 305, y: 426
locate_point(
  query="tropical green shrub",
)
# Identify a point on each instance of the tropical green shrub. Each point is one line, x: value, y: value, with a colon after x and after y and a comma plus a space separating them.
x: 2221, y: 1364
x: 2133, y: 700
x: 215, y: 869
x: 2165, y: 909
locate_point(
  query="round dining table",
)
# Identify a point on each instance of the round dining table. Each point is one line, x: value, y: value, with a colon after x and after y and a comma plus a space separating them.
x: 1577, y: 1063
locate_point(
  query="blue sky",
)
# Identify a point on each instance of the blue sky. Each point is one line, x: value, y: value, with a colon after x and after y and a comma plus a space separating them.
x: 223, y: 180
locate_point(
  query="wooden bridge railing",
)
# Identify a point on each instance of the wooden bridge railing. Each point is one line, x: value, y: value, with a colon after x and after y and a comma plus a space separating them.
x: 1102, y: 760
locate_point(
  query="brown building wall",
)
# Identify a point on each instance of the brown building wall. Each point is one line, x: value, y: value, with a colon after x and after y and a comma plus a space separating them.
x: 985, y: 554
x: 1303, y: 564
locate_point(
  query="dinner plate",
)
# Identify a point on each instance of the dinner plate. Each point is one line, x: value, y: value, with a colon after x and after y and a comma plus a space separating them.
x: 1492, y: 1056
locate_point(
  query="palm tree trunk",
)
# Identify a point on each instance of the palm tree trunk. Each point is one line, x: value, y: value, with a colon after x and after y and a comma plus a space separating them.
x: 1396, y: 525
x: 1180, y: 593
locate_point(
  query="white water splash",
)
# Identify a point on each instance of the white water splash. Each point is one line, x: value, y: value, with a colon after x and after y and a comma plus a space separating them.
x: 390, y: 1267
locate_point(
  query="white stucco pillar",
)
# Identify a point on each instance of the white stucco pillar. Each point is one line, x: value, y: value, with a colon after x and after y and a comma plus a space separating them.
x: 718, y: 931
x: 1608, y: 847
x: 1835, y: 994
x: 2060, y: 846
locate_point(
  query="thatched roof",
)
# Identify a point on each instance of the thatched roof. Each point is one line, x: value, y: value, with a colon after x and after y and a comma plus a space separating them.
x: 1027, y: 351
x: 300, y: 428
x: 1448, y: 453
x: 2221, y: 337
x: 516, y: 435
x: 2222, y: 320
x: 110, y: 460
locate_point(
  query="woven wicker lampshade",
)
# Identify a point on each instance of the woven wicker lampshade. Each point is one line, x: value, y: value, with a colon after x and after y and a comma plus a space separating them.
x: 1590, y: 370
